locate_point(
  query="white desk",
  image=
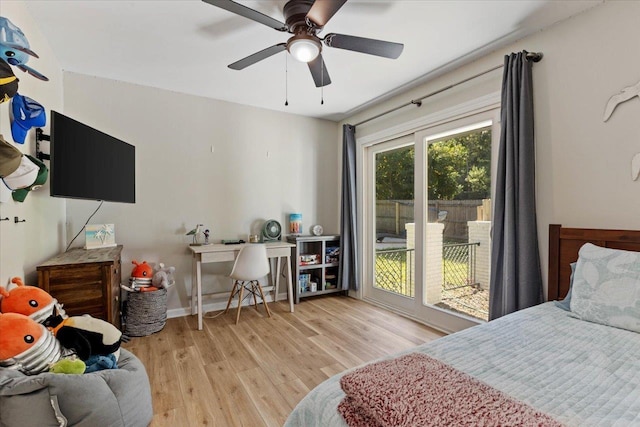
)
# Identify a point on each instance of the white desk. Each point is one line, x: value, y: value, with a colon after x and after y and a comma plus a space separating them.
x: 225, y: 253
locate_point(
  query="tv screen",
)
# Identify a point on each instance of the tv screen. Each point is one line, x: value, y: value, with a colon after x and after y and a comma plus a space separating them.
x: 89, y: 164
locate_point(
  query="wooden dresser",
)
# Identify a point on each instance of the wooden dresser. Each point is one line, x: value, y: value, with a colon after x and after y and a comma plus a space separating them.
x: 85, y: 282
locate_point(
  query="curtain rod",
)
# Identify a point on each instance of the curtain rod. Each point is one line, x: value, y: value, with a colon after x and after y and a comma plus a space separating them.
x: 532, y: 56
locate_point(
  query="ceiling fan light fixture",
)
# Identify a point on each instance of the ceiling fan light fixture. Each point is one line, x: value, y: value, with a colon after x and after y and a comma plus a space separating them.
x: 304, y: 49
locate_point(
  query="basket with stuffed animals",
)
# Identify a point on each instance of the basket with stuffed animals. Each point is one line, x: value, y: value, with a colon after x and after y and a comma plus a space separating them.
x: 145, y: 309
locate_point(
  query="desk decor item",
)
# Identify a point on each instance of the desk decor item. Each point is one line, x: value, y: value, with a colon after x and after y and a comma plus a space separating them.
x: 200, y: 236
x: 99, y: 236
x: 271, y: 231
x: 317, y: 230
x: 295, y: 223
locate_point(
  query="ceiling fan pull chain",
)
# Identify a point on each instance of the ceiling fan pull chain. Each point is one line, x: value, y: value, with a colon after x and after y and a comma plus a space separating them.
x: 286, y: 81
x: 322, y: 83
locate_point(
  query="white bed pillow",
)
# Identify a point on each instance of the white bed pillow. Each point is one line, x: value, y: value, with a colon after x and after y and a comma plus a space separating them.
x: 606, y: 287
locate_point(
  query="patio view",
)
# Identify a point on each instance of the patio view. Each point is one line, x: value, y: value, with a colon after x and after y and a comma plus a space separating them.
x: 457, y: 230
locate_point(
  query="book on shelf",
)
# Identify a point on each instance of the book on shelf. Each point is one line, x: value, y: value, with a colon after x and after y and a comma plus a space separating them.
x: 331, y: 254
x: 304, y: 281
x: 309, y: 259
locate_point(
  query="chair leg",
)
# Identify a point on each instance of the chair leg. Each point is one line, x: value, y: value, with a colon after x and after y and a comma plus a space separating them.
x: 239, y: 303
x: 255, y: 297
x: 266, y: 306
x: 233, y: 292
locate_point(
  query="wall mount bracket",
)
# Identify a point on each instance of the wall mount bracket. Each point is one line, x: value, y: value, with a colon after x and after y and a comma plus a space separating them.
x: 40, y: 136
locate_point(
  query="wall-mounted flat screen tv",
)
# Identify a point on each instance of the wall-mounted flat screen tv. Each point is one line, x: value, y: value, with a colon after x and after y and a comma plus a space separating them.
x: 89, y: 164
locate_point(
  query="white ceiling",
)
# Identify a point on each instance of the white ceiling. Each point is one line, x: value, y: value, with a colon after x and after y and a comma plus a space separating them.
x: 185, y: 46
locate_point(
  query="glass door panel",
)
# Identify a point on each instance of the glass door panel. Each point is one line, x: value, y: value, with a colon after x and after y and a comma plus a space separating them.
x: 459, y: 221
x: 391, y: 248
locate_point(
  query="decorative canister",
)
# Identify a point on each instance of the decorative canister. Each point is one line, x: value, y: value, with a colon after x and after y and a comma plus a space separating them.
x: 295, y: 223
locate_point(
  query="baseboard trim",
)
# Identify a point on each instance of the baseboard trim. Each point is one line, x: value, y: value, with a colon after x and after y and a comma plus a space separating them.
x: 216, y: 306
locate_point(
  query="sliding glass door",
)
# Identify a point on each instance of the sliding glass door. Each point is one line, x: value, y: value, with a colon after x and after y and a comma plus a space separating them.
x: 428, y: 221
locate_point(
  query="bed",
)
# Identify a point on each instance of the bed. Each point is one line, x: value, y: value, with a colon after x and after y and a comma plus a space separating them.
x: 575, y: 369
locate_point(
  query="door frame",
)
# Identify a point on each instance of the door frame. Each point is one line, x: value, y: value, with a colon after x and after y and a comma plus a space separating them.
x: 421, y: 128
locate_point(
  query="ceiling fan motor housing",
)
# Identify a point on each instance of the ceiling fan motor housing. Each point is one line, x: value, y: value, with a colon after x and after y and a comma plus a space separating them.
x: 295, y: 14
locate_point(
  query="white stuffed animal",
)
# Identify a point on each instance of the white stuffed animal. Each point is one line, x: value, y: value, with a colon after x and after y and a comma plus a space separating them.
x: 163, y: 276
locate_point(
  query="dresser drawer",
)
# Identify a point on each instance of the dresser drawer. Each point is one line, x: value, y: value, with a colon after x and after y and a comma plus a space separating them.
x: 85, y: 282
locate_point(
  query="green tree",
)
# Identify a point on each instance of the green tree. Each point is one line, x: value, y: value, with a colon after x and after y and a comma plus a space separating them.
x: 394, y: 174
x: 459, y: 167
x: 446, y: 161
x: 477, y: 179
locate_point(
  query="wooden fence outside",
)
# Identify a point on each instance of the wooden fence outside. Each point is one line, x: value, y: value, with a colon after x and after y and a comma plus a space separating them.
x: 392, y: 215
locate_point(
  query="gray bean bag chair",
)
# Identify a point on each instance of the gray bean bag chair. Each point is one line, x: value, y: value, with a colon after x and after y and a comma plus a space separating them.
x: 114, y: 397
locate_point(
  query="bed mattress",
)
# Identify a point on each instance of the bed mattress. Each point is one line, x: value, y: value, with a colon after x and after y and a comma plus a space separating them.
x: 578, y: 372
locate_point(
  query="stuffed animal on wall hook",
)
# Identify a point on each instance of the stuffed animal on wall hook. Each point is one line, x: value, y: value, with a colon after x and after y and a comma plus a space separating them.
x: 15, y: 49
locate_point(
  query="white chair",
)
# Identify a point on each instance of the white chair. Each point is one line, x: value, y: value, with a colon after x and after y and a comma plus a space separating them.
x: 251, y: 264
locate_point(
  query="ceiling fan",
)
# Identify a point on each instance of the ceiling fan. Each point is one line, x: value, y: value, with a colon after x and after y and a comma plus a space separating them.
x: 305, y: 19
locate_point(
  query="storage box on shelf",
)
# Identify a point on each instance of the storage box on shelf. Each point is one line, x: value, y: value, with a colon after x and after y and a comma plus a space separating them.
x: 315, y: 265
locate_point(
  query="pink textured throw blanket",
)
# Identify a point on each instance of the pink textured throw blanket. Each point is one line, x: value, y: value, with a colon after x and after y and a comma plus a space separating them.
x: 418, y: 390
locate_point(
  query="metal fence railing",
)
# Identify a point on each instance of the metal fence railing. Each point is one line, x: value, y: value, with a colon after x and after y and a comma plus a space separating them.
x: 459, y: 265
x: 394, y: 271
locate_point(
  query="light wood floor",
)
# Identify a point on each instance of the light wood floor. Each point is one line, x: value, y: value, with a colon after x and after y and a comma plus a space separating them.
x: 254, y: 373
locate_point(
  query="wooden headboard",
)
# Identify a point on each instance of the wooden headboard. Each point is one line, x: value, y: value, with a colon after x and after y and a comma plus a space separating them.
x: 564, y: 244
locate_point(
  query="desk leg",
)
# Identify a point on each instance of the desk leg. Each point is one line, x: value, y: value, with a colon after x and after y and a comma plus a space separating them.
x: 199, y: 291
x: 193, y: 283
x: 277, y: 279
x: 289, y: 284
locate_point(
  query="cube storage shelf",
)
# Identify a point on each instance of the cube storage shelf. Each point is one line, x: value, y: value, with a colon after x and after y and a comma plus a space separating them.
x: 314, y: 262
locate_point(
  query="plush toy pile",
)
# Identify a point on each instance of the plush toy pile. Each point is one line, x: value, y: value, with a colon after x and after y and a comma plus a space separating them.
x: 146, y: 279
x: 36, y: 335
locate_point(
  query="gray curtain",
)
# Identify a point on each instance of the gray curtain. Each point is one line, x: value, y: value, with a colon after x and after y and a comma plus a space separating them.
x: 516, y: 280
x: 348, y: 270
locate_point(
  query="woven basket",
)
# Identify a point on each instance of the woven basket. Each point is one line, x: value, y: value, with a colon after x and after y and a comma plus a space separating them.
x: 146, y: 313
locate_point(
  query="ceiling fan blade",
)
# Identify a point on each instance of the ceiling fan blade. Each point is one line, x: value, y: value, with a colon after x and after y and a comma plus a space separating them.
x: 323, y: 10
x: 247, y: 12
x: 258, y: 56
x: 319, y: 72
x: 360, y: 44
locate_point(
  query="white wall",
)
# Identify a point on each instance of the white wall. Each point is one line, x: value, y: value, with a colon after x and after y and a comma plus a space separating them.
x: 25, y: 245
x: 264, y: 165
x: 583, y: 164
